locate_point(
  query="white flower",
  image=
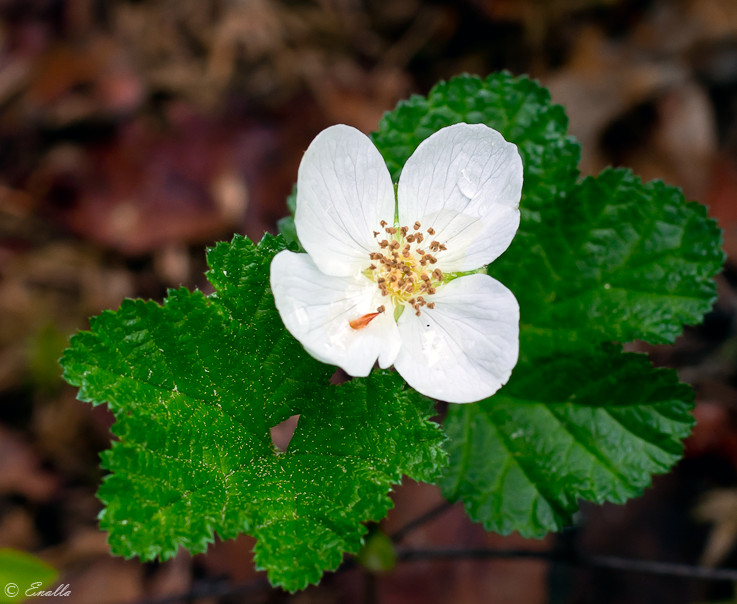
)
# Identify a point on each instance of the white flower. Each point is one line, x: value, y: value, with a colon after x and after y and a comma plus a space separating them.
x: 380, y: 281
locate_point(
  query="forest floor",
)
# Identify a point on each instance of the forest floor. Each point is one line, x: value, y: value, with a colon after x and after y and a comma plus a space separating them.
x: 134, y: 134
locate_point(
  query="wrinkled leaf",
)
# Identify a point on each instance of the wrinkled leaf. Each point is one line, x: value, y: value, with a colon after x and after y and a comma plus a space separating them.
x: 520, y: 460
x: 196, y: 385
x: 608, y: 259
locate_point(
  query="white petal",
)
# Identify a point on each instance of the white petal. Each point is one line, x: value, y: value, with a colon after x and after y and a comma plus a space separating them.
x: 317, y: 308
x: 343, y: 191
x: 464, y: 349
x: 464, y: 181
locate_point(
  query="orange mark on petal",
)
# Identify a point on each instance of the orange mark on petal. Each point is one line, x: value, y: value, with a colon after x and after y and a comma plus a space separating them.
x: 361, y: 322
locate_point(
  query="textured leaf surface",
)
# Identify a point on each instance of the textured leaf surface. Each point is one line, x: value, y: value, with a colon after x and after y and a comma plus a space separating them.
x: 522, y: 459
x: 196, y: 385
x: 615, y: 259
x: 517, y: 107
x: 608, y: 259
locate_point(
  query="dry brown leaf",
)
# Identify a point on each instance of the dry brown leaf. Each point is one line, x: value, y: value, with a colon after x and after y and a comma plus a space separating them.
x: 718, y: 507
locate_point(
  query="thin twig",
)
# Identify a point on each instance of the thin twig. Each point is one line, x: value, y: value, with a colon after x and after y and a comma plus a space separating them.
x: 663, y: 568
x: 415, y: 555
x: 401, y: 533
x: 652, y: 567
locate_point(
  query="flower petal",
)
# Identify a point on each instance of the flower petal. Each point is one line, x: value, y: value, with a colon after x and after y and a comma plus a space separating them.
x: 465, y: 182
x: 465, y: 348
x: 317, y: 310
x: 343, y: 191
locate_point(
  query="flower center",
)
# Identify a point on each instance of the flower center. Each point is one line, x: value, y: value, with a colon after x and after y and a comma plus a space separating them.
x: 404, y: 268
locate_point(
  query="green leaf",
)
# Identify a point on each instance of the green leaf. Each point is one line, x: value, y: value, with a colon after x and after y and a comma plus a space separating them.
x: 614, y: 260
x: 519, y: 108
x: 288, y: 230
x: 20, y: 572
x: 292, y: 200
x: 286, y: 225
x: 196, y: 385
x: 520, y: 460
x: 608, y: 259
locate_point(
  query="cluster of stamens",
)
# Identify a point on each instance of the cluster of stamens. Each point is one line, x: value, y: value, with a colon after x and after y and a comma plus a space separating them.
x: 402, y: 269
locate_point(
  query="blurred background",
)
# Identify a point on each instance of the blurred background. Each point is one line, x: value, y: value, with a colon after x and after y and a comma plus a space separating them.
x: 133, y: 133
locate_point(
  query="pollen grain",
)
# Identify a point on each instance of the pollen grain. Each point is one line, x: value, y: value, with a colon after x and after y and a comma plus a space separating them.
x: 400, y: 269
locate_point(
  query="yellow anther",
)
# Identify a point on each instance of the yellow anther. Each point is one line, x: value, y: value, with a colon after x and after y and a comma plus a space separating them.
x: 399, y: 273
